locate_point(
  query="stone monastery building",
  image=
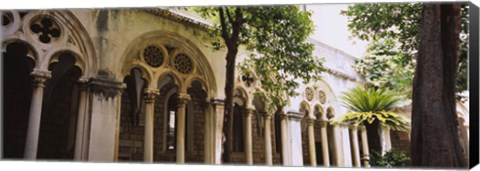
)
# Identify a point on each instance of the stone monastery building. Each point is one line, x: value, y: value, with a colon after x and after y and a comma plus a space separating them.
x: 144, y: 85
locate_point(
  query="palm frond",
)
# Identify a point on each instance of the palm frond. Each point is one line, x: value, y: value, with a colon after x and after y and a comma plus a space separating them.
x: 372, y: 105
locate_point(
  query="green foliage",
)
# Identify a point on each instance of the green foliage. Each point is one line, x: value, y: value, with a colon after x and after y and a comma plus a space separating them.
x: 277, y: 37
x: 401, y: 22
x: 385, y: 67
x: 391, y: 158
x: 370, y: 106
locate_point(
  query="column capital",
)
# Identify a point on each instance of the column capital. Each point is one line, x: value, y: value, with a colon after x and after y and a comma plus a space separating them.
x: 354, y: 126
x: 183, y: 99
x: 249, y: 112
x: 310, y: 120
x: 217, y: 101
x: 150, y: 94
x: 83, y: 83
x: 40, y: 77
x: 283, y: 116
x: 323, y: 122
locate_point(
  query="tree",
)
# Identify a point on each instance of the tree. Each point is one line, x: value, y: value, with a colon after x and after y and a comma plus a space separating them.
x: 433, y: 33
x: 434, y: 135
x: 275, y: 33
x: 401, y: 22
x: 385, y: 67
x: 372, y: 107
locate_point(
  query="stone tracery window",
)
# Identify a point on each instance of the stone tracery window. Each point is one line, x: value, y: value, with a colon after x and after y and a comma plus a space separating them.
x: 309, y: 93
x: 322, y: 97
x: 153, y: 56
x: 46, y: 28
x: 7, y: 18
x: 183, y: 64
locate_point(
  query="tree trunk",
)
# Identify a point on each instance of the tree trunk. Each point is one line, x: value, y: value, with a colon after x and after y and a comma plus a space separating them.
x: 228, y: 115
x: 434, y: 136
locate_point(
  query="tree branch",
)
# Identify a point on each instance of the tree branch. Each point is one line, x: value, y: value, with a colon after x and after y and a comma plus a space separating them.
x: 229, y: 16
x: 223, y: 24
x: 236, y: 25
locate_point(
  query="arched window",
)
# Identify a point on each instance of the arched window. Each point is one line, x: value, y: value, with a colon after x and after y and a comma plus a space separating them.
x: 172, y: 122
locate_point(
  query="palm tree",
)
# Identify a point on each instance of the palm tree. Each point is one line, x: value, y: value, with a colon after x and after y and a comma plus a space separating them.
x: 372, y: 108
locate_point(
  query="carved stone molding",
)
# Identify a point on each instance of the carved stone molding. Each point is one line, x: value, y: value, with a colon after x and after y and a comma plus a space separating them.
x: 322, y: 97
x: 150, y: 95
x: 323, y: 123
x: 309, y: 93
x: 218, y: 102
x: 40, y: 77
x: 298, y: 116
x: 183, y: 99
x: 83, y: 83
x: 109, y: 88
x: 249, y: 112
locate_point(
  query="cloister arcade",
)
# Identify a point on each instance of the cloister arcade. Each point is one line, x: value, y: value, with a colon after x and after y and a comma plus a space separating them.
x: 144, y: 86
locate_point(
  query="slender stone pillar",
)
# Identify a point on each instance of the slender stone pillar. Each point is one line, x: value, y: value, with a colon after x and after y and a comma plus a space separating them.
x: 218, y: 133
x: 82, y: 108
x: 182, y: 103
x: 366, y: 155
x: 287, y: 161
x: 248, y: 137
x: 268, y: 139
x: 325, y: 153
x: 149, y: 95
x: 33, y: 131
x: 208, y: 133
x: 311, y: 141
x: 354, y: 143
x: 388, y: 141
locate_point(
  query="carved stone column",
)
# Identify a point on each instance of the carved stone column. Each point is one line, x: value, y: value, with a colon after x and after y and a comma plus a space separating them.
x: 287, y: 161
x: 268, y: 139
x: 354, y: 143
x: 325, y: 153
x: 366, y: 155
x: 33, y: 131
x: 149, y: 95
x: 218, y: 104
x: 248, y: 137
x: 208, y: 133
x: 80, y: 143
x: 311, y: 141
x: 182, y: 103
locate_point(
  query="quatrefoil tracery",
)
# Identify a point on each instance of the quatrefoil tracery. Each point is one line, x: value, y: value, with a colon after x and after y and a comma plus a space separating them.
x: 46, y: 28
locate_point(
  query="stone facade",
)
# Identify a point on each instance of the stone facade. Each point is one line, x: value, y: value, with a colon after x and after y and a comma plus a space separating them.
x: 109, y: 101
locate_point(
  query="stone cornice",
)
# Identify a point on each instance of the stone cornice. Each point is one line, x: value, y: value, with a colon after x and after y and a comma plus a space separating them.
x: 165, y: 13
x: 295, y: 115
x: 340, y: 74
